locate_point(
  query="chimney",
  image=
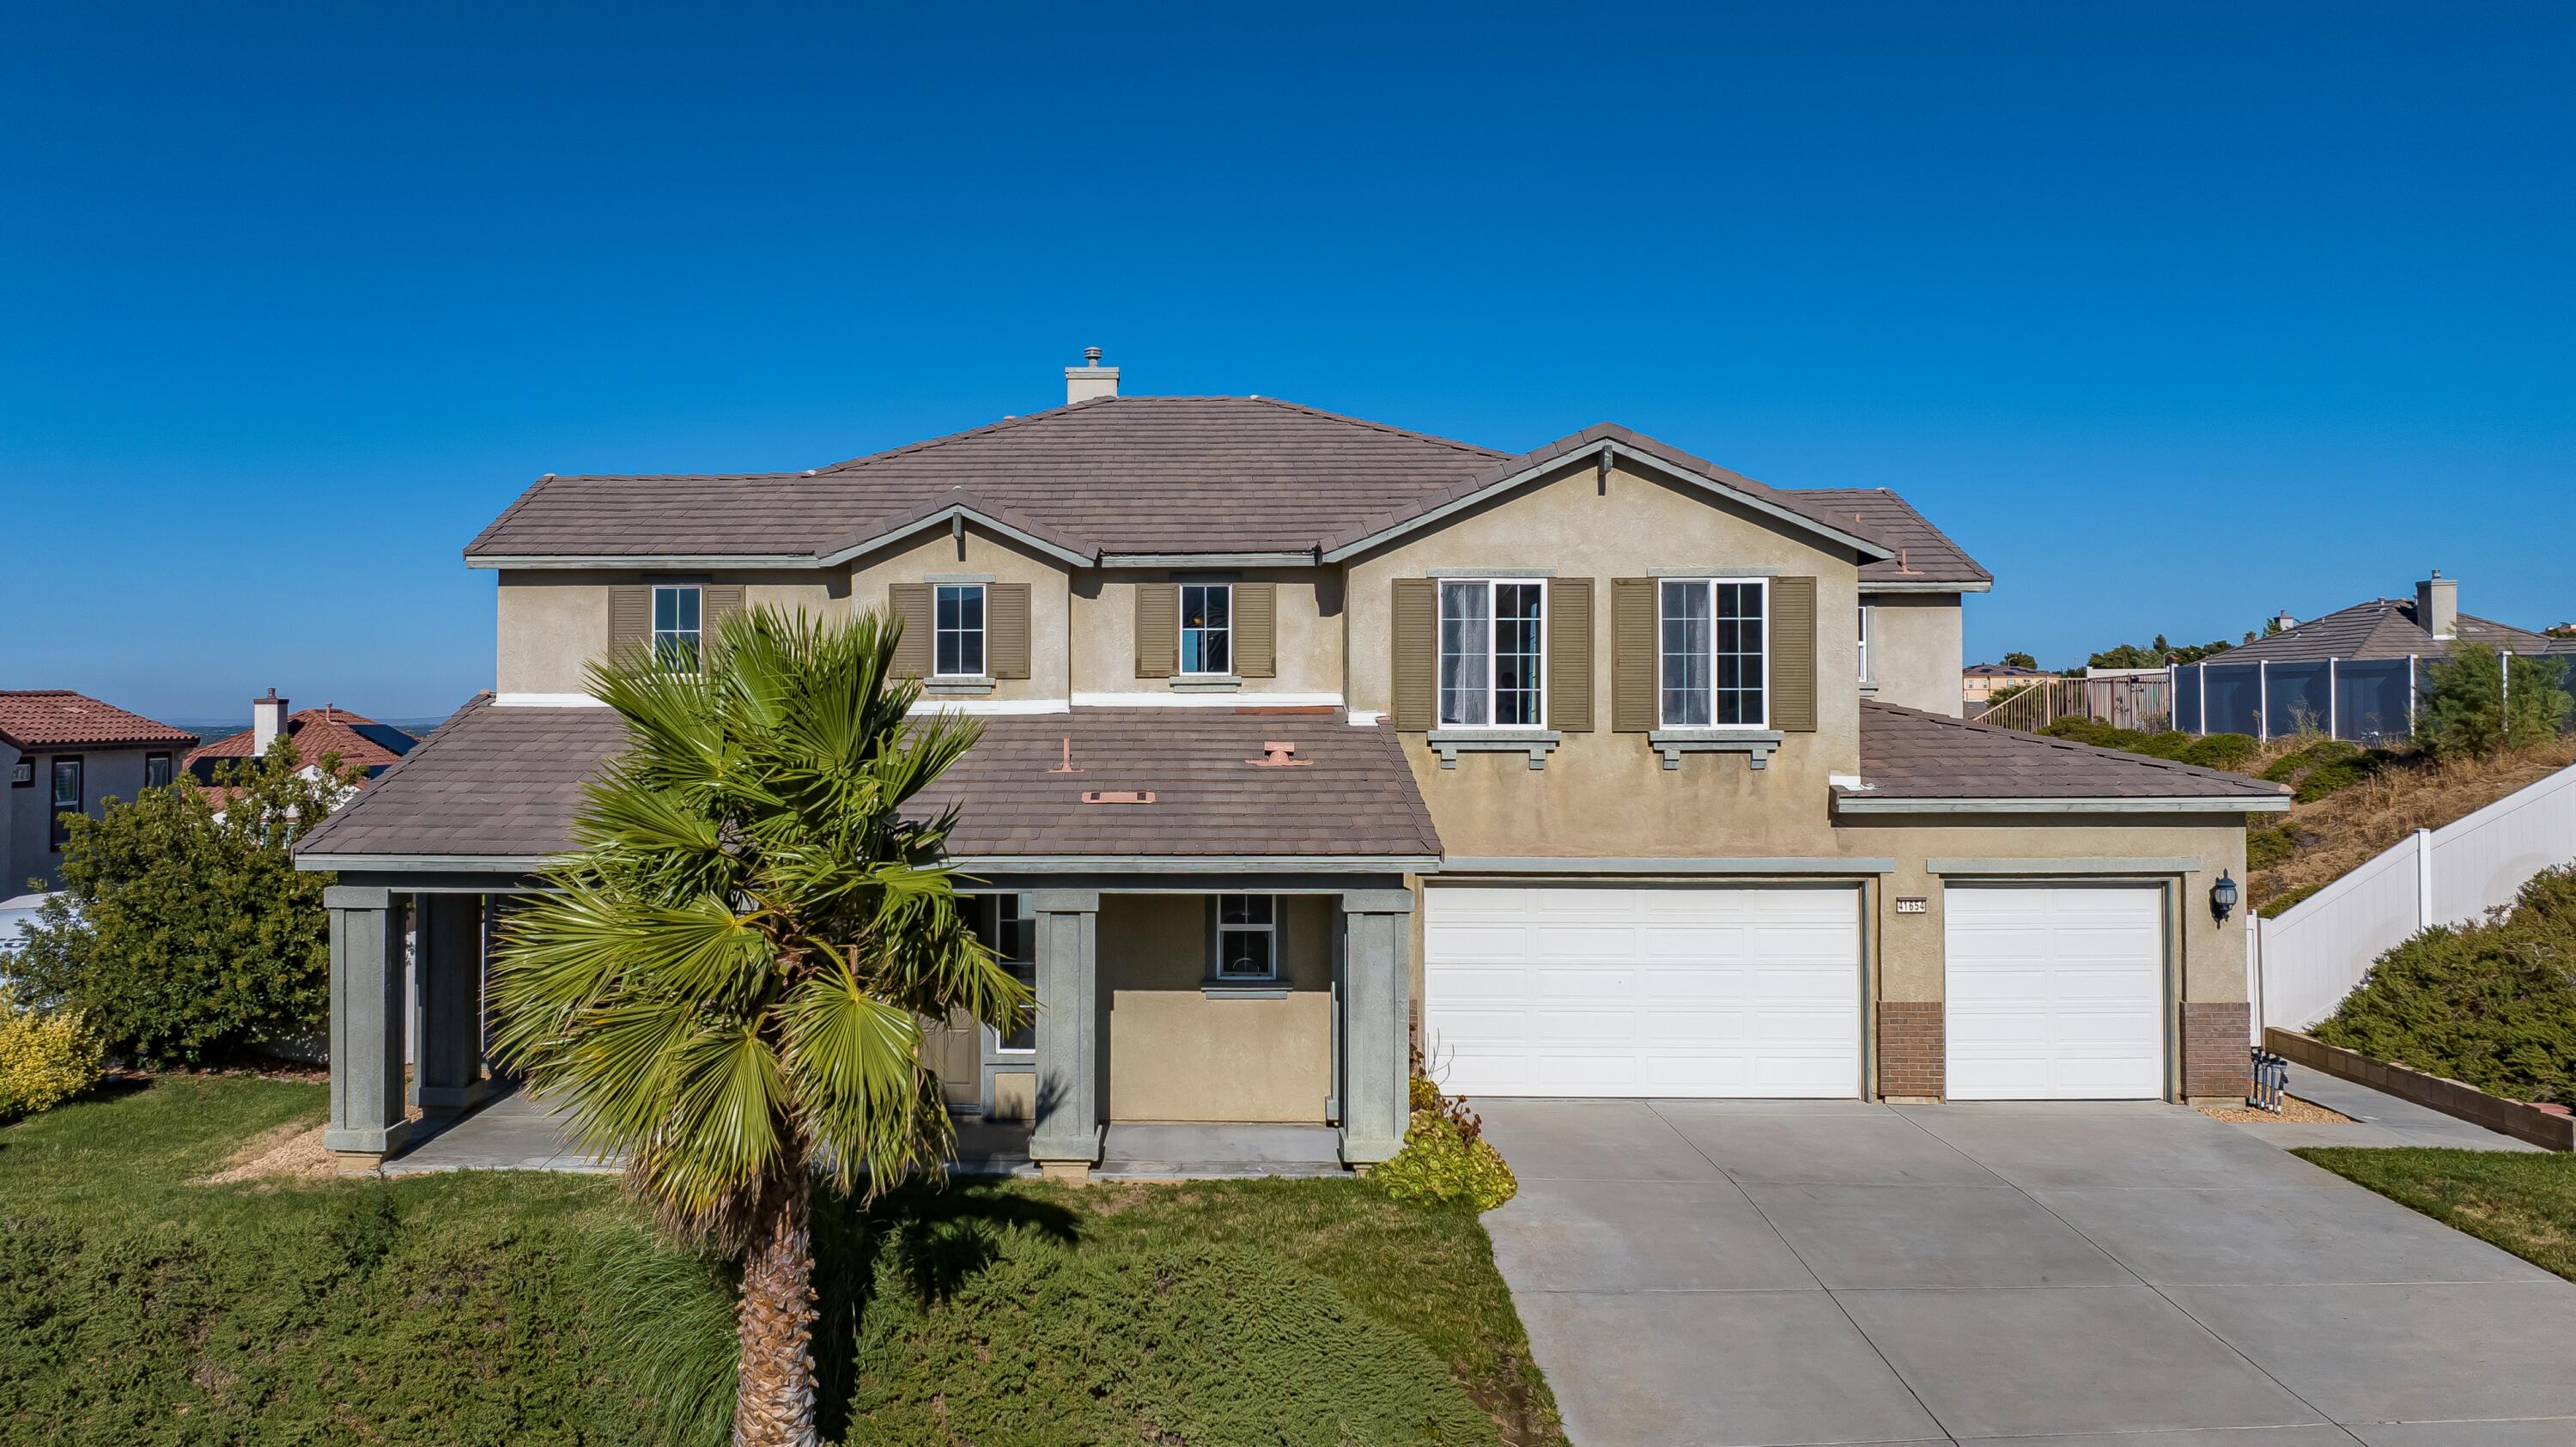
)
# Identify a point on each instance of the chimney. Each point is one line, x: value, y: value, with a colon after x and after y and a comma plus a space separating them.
x: 1089, y: 380
x: 267, y: 721
x: 2437, y: 606
x: 2282, y: 621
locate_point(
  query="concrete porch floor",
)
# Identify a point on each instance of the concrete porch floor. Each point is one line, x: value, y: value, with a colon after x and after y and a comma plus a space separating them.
x: 516, y: 1132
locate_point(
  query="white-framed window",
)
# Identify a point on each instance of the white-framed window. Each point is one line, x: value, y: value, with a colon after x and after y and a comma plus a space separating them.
x: 1207, y: 628
x: 676, y: 624
x: 1247, y: 937
x: 958, y: 631
x: 1864, y: 643
x: 1715, y: 644
x: 1493, y: 654
x: 1013, y: 936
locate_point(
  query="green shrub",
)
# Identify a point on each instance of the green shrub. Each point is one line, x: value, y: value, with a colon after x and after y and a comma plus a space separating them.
x: 2280, y: 904
x: 2270, y: 844
x: 1441, y: 1163
x: 2325, y: 767
x: 2469, y: 711
x: 182, y: 938
x: 2492, y: 1004
x: 45, y: 1059
x: 2230, y: 752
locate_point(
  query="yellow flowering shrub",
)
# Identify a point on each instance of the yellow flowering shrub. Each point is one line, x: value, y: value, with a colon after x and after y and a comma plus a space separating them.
x: 45, y: 1059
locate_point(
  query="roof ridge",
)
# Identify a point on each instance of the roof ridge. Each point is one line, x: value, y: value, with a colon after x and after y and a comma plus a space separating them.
x: 1390, y: 428
x: 2072, y: 746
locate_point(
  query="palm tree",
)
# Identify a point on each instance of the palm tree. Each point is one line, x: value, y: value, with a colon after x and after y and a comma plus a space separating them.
x: 725, y: 984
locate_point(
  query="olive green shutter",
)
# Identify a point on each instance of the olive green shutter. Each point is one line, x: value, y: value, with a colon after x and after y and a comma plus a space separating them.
x: 630, y: 619
x: 1793, y: 655
x: 1569, y: 655
x: 1158, y: 629
x: 1632, y: 655
x: 1415, y: 629
x: 1006, y: 630
x: 909, y: 603
x: 1256, y: 630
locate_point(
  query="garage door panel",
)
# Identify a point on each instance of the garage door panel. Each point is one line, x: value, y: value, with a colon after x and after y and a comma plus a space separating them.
x: 2054, y: 993
x: 1671, y: 991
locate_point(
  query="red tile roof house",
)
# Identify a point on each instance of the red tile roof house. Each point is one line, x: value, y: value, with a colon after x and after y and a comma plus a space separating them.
x: 67, y: 753
x: 314, y: 733
x: 1593, y: 770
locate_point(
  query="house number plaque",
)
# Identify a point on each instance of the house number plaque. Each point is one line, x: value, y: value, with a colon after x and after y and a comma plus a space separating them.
x: 1905, y: 905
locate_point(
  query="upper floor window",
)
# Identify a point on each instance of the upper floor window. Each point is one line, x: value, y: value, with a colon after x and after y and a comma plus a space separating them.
x: 676, y: 627
x: 156, y: 771
x: 1207, y: 628
x: 1247, y: 937
x: 958, y: 631
x: 1715, y: 634
x: 1492, y: 663
x: 67, y: 799
x: 1864, y: 643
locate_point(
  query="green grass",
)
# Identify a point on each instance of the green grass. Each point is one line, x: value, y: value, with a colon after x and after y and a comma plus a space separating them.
x: 139, y: 1307
x: 2522, y: 1201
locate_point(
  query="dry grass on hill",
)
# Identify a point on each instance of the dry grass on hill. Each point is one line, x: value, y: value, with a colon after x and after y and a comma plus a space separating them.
x: 2342, y: 831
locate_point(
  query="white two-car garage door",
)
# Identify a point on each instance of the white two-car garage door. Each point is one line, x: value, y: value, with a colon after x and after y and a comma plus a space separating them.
x: 2054, y: 994
x: 1681, y: 991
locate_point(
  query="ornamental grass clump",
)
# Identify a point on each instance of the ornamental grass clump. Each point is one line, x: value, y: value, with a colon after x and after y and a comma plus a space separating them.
x: 1446, y: 1157
x: 46, y: 1058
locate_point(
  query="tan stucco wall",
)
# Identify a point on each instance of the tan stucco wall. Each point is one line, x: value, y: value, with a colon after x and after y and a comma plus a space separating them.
x: 552, y: 624
x: 1915, y: 650
x: 1309, y: 636
x: 1177, y: 1055
x: 1605, y: 793
x: 918, y: 559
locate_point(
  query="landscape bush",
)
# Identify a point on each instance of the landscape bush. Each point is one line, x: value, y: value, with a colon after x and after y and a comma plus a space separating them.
x: 2229, y: 752
x: 183, y: 933
x: 46, y: 1058
x: 2470, y: 712
x: 2325, y: 767
x: 2492, y: 1004
x: 1446, y: 1158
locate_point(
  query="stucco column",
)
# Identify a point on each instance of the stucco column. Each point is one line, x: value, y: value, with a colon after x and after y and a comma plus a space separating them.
x: 1073, y: 1035
x: 1377, y: 950
x: 448, y: 939
x: 367, y: 1121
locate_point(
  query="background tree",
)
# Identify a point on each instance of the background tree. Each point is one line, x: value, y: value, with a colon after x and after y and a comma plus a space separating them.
x: 726, y: 984
x: 183, y: 933
x: 2469, y: 711
x: 2020, y: 660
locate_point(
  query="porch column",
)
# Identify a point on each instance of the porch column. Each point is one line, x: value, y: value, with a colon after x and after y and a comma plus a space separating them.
x: 1377, y: 947
x: 1073, y: 1038
x: 367, y: 1121
x: 448, y: 940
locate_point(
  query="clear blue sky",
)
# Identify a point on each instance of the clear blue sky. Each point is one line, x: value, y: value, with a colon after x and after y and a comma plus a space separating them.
x: 2173, y: 314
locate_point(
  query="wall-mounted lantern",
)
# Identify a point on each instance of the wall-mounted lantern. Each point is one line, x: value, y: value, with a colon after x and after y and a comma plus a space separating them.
x: 2222, y: 898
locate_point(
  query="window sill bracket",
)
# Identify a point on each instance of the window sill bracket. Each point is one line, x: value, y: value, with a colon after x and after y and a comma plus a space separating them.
x: 1537, y: 743
x: 1757, y: 745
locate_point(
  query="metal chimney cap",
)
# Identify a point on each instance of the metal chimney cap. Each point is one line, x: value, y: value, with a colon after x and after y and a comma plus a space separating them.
x: 1091, y: 356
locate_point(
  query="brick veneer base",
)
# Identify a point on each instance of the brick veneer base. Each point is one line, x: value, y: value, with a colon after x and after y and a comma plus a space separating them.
x: 2216, y: 1040
x: 1911, y: 1048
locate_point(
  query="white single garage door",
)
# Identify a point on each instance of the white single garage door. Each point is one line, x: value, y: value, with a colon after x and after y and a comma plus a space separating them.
x: 1681, y: 991
x: 2054, y: 994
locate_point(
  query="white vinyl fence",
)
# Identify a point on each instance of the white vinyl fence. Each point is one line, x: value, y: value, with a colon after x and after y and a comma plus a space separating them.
x: 2306, y: 961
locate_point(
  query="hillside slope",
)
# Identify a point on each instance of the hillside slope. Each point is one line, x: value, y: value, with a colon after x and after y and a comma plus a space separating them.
x: 2318, y: 843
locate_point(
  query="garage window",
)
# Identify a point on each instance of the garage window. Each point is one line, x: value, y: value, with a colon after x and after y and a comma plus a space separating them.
x: 1247, y: 937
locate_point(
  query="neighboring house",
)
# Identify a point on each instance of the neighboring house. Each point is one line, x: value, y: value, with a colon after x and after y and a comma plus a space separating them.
x: 66, y: 753
x: 1595, y: 770
x: 1980, y: 682
x: 314, y: 734
x: 2353, y: 673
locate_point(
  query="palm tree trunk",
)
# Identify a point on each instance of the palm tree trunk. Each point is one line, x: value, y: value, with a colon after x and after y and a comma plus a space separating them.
x: 774, y: 1387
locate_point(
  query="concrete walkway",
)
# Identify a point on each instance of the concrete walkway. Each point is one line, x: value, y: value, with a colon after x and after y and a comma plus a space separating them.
x: 2379, y: 1119
x: 2113, y: 1275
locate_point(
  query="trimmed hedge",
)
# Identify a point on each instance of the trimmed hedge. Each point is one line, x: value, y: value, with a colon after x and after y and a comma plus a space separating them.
x: 2491, y: 1004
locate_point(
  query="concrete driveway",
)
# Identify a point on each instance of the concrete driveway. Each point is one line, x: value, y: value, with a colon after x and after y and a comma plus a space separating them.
x: 1781, y: 1272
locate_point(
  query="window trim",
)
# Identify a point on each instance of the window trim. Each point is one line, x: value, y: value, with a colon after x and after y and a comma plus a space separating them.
x: 57, y: 833
x: 1217, y: 974
x: 161, y: 757
x: 1181, y: 634
x: 1714, y: 581
x: 997, y: 1041
x: 983, y: 631
x: 22, y: 774
x: 655, y: 632
x: 1865, y: 630
x: 1440, y: 627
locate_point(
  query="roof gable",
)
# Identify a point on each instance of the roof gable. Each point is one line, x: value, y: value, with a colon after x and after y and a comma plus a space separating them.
x: 57, y: 718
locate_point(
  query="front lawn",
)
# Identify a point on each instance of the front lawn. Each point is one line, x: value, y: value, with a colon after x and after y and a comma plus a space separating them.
x: 138, y: 1306
x: 2522, y: 1201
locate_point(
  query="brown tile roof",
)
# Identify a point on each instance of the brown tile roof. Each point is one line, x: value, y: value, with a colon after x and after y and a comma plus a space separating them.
x: 505, y: 781
x: 57, y: 718
x: 1126, y: 475
x: 1907, y: 754
x: 330, y: 729
x: 1926, y: 555
x: 2380, y: 628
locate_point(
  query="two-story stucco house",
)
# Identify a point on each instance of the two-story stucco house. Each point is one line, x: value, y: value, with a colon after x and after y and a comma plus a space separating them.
x: 66, y: 753
x: 1594, y: 770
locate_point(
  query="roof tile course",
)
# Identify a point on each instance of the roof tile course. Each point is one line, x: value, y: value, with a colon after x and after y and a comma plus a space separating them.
x: 2380, y: 628
x: 1907, y: 754
x: 505, y: 781
x: 57, y: 718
